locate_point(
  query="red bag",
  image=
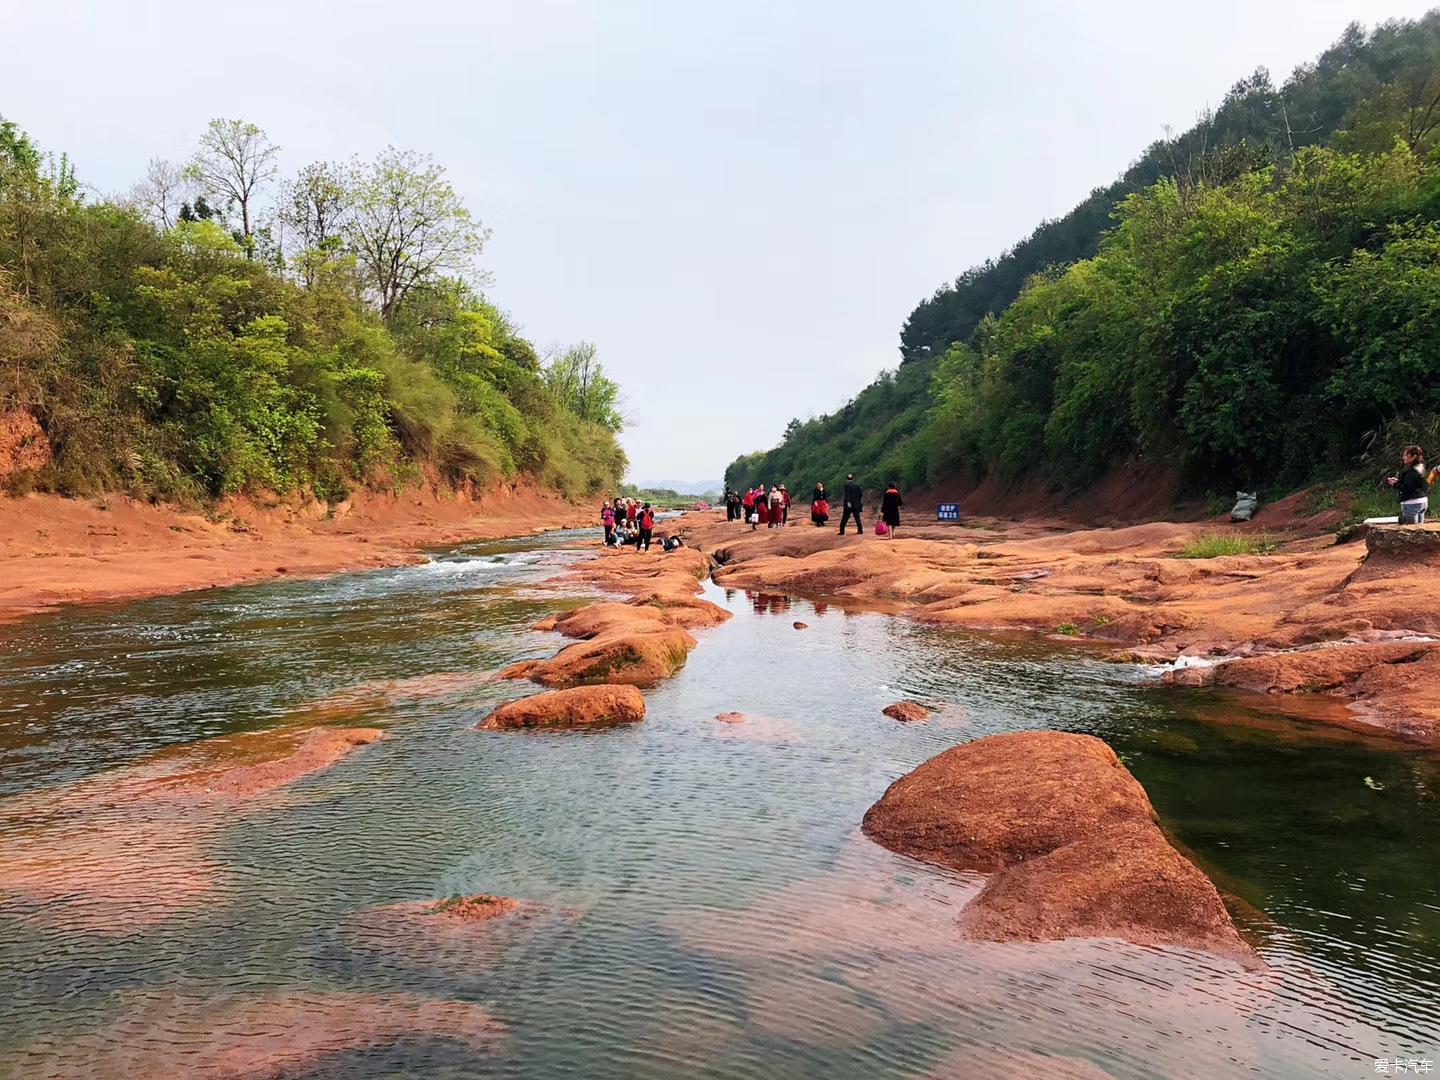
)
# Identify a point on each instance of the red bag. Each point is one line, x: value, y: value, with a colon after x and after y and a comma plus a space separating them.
x: 881, y: 529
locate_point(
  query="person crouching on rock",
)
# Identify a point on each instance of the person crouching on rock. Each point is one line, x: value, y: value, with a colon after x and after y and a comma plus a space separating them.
x: 1412, y: 487
x: 890, y: 505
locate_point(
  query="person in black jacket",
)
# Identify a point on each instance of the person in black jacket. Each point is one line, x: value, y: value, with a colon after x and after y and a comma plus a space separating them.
x: 890, y: 505
x: 853, y: 503
x: 1412, y: 487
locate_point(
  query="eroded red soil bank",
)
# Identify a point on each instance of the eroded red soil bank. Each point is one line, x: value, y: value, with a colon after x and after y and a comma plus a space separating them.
x: 64, y: 551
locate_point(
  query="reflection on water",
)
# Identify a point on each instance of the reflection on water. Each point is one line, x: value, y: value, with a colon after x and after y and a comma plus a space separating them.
x: 706, y: 906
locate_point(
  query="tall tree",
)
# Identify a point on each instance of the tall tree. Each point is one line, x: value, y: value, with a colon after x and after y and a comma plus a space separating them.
x: 162, y: 193
x: 578, y: 381
x: 408, y: 227
x: 235, y: 159
x: 313, y: 208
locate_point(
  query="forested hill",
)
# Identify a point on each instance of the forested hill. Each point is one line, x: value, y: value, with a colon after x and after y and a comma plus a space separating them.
x: 1253, y: 302
x: 222, y: 329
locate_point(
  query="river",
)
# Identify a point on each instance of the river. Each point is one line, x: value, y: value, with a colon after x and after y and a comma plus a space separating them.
x: 712, y: 908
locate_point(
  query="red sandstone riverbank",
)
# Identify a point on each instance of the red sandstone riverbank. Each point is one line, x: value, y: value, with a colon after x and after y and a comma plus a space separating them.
x: 56, y: 551
x: 1312, y: 617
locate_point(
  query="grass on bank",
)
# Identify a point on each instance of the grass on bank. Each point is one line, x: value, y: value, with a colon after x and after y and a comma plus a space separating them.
x: 1216, y: 545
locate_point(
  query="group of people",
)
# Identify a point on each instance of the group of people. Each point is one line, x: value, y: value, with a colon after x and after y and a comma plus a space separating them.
x: 629, y: 521
x: 771, y: 509
x: 758, y: 506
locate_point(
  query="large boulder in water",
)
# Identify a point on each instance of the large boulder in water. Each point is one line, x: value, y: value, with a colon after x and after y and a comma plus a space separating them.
x: 581, y: 706
x: 1068, y: 834
x: 642, y: 658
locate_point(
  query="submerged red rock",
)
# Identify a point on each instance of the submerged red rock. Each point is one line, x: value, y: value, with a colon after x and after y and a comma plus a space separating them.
x: 907, y: 712
x: 132, y: 847
x: 580, y: 706
x: 1070, y: 837
x: 265, y: 1036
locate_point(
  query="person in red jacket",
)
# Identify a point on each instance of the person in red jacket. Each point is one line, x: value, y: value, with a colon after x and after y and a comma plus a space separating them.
x: 646, y: 521
x: 784, y: 505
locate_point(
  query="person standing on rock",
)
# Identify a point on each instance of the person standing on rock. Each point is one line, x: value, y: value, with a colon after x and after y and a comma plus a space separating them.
x: 1412, y: 487
x: 646, y: 520
x: 890, y: 505
x: 762, y: 507
x: 607, y: 518
x: 784, y: 505
x: 777, y: 506
x: 819, y: 505
x: 853, y: 504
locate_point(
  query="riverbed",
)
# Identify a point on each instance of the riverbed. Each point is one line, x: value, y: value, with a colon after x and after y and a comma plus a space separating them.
x: 709, y: 907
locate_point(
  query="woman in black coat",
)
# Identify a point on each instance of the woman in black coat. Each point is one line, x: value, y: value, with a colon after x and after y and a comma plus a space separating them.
x: 890, y: 505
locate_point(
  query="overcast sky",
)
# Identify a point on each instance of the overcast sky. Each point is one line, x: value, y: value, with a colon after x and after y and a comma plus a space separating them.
x: 739, y: 203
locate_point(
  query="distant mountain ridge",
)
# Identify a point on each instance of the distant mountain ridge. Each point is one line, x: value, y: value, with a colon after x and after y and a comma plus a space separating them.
x: 682, y: 487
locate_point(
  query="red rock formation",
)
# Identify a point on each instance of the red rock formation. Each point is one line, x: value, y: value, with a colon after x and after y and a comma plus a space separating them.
x: 265, y: 1036
x: 907, y: 712
x: 274, y: 760
x: 1378, y: 678
x: 23, y: 445
x: 638, y: 642
x: 1070, y: 837
x: 132, y: 847
x: 1127, y: 586
x: 636, y: 659
x: 580, y: 706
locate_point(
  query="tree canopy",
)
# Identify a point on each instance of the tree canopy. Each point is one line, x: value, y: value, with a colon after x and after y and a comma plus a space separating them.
x: 166, y: 351
x: 1253, y: 303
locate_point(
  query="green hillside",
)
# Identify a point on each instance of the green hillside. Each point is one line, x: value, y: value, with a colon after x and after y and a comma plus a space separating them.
x: 1253, y: 302
x: 220, y: 330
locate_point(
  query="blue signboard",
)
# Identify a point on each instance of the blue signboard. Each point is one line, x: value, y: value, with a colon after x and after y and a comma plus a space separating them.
x: 948, y: 512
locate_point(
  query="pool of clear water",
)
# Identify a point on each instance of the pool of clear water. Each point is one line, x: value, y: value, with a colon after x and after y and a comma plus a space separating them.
x: 718, y: 912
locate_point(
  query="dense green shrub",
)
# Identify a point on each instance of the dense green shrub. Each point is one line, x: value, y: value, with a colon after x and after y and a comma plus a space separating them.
x: 171, y: 361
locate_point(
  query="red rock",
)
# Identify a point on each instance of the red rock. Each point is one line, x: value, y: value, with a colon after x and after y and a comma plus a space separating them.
x: 134, y: 846
x: 580, y: 706
x: 637, y: 659
x: 1069, y: 835
x: 259, y: 1036
x: 971, y: 1062
x: 480, y: 907
x: 23, y: 445
x: 732, y: 718
x: 284, y: 757
x: 802, y: 626
x: 907, y: 712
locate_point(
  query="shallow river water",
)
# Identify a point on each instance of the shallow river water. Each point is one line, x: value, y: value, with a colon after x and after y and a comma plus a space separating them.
x: 712, y: 908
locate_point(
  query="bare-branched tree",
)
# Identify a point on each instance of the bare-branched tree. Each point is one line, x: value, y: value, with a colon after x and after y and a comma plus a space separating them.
x: 235, y: 159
